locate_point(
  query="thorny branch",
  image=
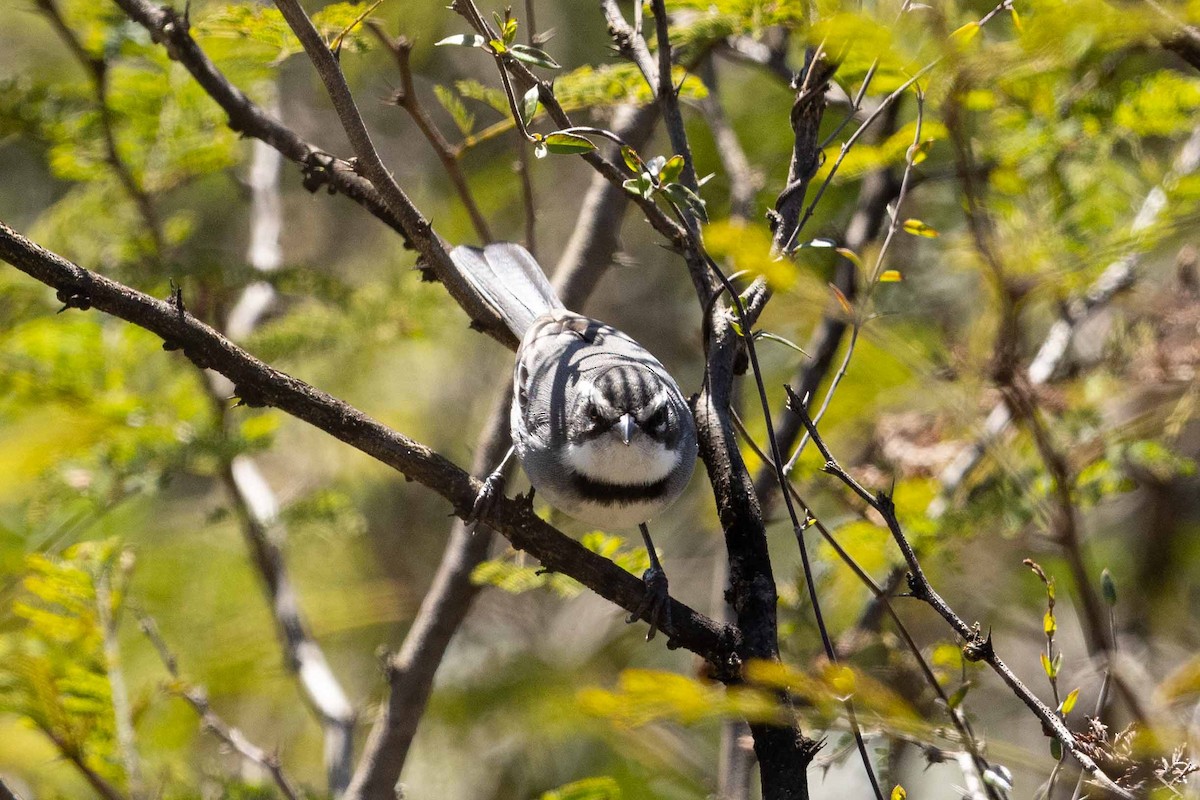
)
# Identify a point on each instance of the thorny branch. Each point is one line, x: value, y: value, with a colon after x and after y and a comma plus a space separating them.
x: 977, y: 646
x: 258, y: 384
x: 387, y: 202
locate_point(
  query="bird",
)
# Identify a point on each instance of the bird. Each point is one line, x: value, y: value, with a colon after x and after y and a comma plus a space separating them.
x: 600, y: 427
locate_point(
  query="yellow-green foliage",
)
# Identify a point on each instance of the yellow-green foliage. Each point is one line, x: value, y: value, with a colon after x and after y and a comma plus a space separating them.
x: 513, y: 574
x: 53, y: 671
x: 646, y: 696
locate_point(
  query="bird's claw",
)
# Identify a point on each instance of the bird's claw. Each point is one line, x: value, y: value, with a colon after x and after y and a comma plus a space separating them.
x: 655, y: 604
x: 493, y: 487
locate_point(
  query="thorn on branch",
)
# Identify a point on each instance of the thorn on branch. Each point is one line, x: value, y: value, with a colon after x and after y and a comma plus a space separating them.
x: 73, y: 298
x: 916, y: 588
x: 176, y: 299
x: 316, y: 169
x: 249, y: 397
x: 979, y: 648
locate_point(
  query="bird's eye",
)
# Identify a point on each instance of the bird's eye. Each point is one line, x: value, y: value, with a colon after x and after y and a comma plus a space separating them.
x: 594, y: 414
x: 658, y: 420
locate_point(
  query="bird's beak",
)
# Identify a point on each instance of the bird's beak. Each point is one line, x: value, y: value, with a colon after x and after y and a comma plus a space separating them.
x: 626, y: 425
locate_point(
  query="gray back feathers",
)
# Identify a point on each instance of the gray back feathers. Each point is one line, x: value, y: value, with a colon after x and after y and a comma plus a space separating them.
x: 510, y: 280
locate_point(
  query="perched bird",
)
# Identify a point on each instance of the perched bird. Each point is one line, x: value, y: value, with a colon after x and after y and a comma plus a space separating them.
x: 600, y: 426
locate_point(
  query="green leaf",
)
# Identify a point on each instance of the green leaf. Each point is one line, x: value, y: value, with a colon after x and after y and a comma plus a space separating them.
x: 498, y: 46
x: 602, y: 788
x: 898, y: 793
x: 671, y: 170
x: 1047, y: 667
x: 509, y: 31
x: 529, y: 105
x: 963, y: 36
x: 639, y: 186
x: 1056, y: 751
x: 534, y: 56
x: 568, y: 143
x: 959, y: 695
x: 474, y: 90
x: 462, y: 40
x: 632, y: 159
x: 463, y: 119
x: 890, y: 276
x: 684, y: 197
x: 1069, y: 702
x: 1049, y: 624
x: 1109, y: 587
x: 852, y: 257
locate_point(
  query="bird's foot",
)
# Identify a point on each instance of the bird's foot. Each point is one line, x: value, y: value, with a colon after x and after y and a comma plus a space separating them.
x: 493, y: 488
x: 656, y: 602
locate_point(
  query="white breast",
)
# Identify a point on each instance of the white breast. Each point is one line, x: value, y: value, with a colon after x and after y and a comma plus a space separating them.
x: 608, y: 460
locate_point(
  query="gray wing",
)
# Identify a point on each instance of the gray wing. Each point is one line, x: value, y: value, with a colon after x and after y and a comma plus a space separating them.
x: 510, y: 280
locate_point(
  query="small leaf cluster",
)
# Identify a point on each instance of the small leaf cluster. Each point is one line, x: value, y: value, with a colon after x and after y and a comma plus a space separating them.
x: 660, y: 175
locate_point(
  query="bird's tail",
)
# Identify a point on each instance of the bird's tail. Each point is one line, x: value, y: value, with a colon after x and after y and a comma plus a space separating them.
x: 510, y: 279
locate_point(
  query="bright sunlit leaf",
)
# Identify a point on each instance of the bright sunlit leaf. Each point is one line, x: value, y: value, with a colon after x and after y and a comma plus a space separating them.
x: 461, y: 40
x: 918, y: 228
x: 568, y: 143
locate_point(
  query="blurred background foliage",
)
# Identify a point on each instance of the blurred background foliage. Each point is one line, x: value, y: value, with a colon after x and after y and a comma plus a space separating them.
x: 112, y: 451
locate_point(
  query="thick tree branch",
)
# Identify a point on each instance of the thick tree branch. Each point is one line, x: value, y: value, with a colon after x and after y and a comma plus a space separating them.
x: 258, y: 384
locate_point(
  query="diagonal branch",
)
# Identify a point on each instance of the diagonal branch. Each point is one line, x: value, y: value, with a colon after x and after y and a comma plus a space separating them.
x: 258, y: 384
x: 379, y: 195
x: 197, y: 698
x: 977, y: 647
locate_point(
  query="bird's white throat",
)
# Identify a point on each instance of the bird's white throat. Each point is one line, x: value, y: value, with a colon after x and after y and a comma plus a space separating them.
x: 606, y: 459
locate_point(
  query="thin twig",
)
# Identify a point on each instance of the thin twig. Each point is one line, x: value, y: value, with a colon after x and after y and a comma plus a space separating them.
x: 883, y: 597
x: 872, y: 280
x: 97, y: 69
x: 122, y: 712
x: 197, y: 698
x: 978, y: 647
x: 406, y: 97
